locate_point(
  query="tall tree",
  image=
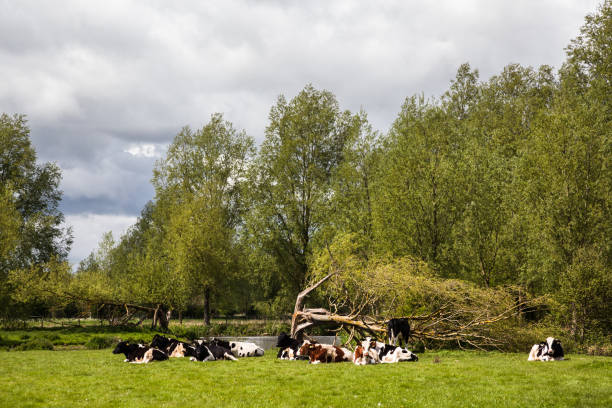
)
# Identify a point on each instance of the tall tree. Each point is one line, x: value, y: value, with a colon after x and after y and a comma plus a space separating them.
x: 423, y: 185
x: 199, y: 183
x: 31, y: 194
x: 304, y: 144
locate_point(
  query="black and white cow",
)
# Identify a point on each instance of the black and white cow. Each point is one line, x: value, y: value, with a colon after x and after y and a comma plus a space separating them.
x: 398, y: 328
x: 384, y: 353
x: 211, y: 351
x: 549, y: 350
x: 173, y: 347
x: 395, y: 354
x: 139, y: 353
x: 284, y: 342
x: 241, y: 348
x: 289, y: 348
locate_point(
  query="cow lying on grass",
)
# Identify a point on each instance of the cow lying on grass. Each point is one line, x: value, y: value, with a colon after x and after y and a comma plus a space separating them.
x: 374, y: 352
x: 173, y: 347
x: 325, y: 353
x: 211, y: 351
x: 289, y: 348
x: 241, y: 348
x: 139, y: 353
x: 549, y: 350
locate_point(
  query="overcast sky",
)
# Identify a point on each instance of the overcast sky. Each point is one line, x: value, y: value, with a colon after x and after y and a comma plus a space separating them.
x: 107, y: 84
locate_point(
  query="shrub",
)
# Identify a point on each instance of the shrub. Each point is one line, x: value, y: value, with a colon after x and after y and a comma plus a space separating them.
x: 600, y: 350
x: 35, y: 344
x: 100, y: 342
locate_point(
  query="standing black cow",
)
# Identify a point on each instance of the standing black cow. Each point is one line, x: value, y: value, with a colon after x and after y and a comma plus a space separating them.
x: 398, y: 328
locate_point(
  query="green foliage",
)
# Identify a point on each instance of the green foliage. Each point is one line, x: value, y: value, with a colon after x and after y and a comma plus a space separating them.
x: 31, y: 233
x: 99, y: 342
x: 290, y: 180
x: 40, y: 343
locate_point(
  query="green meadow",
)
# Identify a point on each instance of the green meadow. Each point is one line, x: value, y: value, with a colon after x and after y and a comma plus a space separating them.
x: 98, y: 378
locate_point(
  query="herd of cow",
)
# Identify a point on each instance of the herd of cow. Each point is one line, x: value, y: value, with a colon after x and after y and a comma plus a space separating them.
x: 162, y: 348
x: 367, y: 351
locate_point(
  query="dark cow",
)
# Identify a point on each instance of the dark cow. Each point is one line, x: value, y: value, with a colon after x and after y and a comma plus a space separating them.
x: 398, y: 328
x: 211, y: 351
x: 289, y: 347
x: 139, y: 353
x: 173, y: 347
x: 284, y: 341
x: 549, y: 350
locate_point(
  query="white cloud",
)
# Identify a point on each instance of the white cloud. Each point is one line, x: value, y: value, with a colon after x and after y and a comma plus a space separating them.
x: 144, y: 150
x: 88, y: 230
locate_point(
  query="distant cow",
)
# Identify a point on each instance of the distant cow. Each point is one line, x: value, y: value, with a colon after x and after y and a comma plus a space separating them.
x: 211, y: 351
x: 139, y: 353
x: 241, y: 348
x: 549, y: 350
x: 323, y: 353
x: 398, y: 328
x: 173, y: 347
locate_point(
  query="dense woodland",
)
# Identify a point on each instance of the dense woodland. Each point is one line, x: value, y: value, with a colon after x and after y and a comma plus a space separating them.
x: 497, y: 191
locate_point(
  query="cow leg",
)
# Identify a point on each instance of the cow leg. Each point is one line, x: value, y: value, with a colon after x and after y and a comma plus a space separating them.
x: 230, y: 357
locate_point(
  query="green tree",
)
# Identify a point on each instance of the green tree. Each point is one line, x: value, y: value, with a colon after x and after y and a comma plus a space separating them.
x: 422, y: 191
x: 30, y: 196
x: 290, y: 181
x: 199, y: 184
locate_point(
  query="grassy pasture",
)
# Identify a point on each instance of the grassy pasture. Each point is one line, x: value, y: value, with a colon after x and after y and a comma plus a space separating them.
x: 97, y: 378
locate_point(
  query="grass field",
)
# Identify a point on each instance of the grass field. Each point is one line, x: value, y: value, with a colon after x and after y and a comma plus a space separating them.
x: 97, y: 378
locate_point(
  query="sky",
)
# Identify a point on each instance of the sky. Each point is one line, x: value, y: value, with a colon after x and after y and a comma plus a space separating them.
x: 107, y: 84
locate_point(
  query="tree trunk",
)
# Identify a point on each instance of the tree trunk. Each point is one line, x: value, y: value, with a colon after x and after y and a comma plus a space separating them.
x: 162, y: 318
x: 154, y: 322
x: 181, y: 317
x: 207, y: 306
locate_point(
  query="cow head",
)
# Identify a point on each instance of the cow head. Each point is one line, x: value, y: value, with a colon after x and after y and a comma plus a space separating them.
x: 121, y: 347
x: 554, y: 347
x: 160, y: 342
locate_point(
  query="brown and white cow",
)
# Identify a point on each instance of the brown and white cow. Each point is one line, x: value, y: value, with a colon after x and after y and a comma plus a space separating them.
x: 324, y: 353
x: 363, y: 356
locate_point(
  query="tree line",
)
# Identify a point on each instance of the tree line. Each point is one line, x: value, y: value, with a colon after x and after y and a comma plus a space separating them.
x: 500, y: 184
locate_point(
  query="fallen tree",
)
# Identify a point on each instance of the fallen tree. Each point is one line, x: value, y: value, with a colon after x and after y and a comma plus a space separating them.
x: 453, y: 311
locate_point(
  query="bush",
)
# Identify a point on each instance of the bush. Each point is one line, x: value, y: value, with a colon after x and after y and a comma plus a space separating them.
x: 100, y: 342
x: 52, y: 337
x: 35, y: 344
x: 600, y: 350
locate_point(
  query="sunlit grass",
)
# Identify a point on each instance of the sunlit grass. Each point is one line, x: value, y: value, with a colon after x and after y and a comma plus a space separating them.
x: 99, y: 378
